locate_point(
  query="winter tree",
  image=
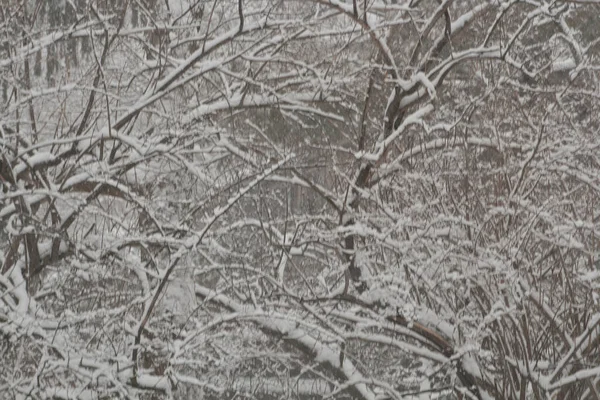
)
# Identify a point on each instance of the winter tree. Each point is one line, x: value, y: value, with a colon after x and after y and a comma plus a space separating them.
x: 361, y: 199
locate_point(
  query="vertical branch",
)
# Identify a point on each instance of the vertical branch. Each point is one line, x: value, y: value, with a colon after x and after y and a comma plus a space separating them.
x: 241, y: 14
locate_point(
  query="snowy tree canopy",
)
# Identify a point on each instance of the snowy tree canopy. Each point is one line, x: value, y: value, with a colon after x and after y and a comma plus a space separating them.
x: 276, y: 199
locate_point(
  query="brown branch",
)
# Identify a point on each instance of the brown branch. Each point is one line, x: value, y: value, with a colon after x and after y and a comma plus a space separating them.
x: 241, y: 16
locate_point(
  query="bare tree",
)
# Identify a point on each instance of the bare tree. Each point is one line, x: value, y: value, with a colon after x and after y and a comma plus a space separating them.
x: 275, y: 199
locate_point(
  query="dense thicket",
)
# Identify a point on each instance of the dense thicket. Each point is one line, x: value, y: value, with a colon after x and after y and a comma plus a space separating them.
x: 264, y: 199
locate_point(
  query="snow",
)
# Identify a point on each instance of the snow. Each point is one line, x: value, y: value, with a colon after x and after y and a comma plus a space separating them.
x: 287, y: 102
x: 39, y: 158
x: 452, y: 246
x: 424, y: 80
x: 565, y: 64
x: 325, y: 353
